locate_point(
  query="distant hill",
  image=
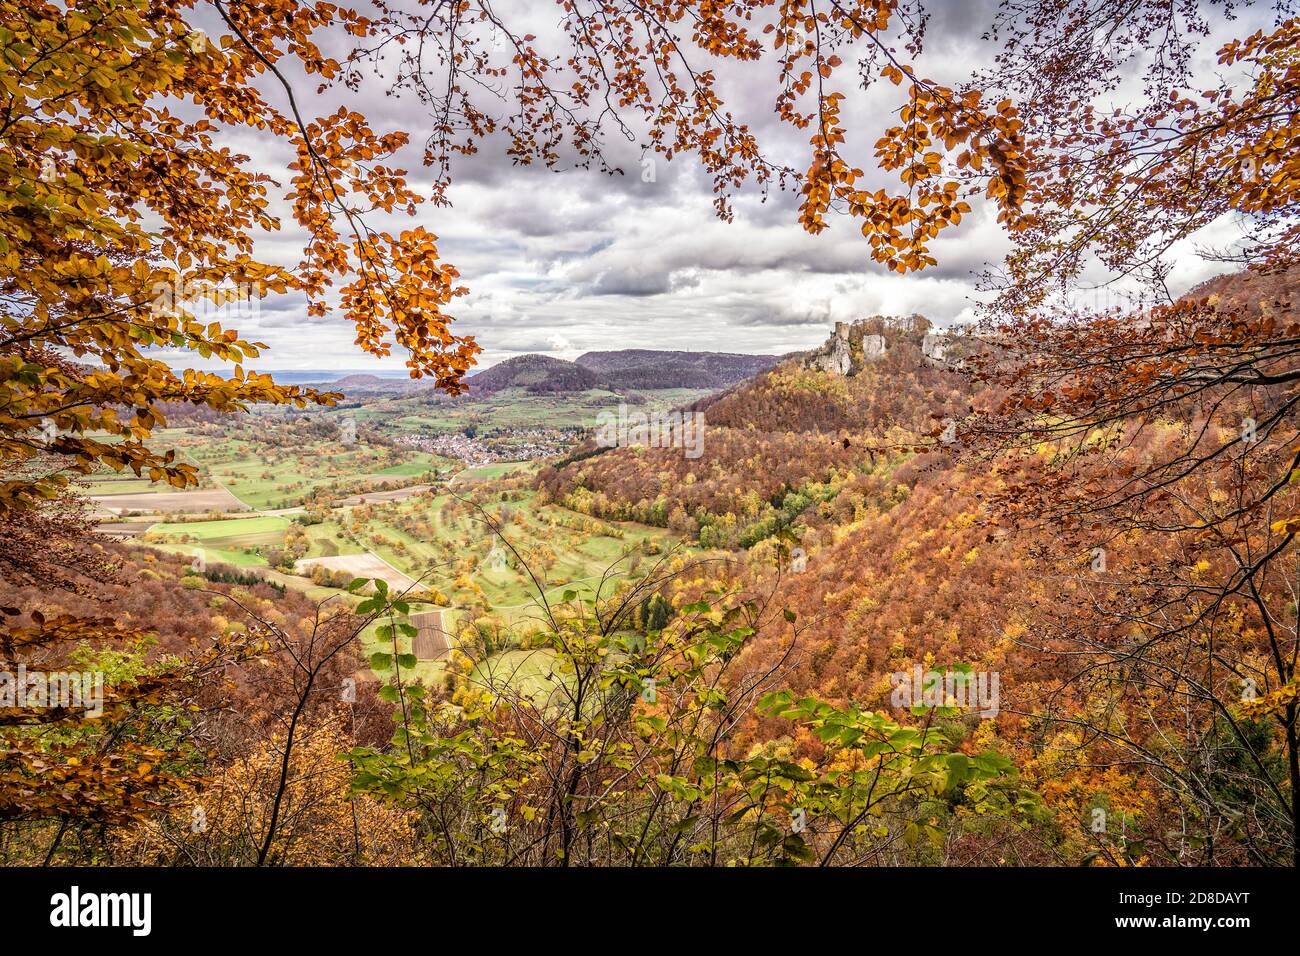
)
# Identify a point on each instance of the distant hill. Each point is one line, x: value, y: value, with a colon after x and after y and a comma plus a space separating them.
x: 373, y: 383
x: 625, y: 370
x: 538, y: 374
x: 652, y: 369
x: 362, y: 385
x: 322, y: 376
x: 799, y: 425
x: 1276, y: 292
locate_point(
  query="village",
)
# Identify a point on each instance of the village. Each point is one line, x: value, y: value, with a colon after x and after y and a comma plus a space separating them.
x: 496, y: 444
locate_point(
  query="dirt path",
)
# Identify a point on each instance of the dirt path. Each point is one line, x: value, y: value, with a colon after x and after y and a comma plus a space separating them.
x: 123, y: 529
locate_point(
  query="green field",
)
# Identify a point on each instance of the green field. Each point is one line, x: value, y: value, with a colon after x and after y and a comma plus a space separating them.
x: 260, y: 530
x: 328, y: 539
x: 233, y: 541
x: 271, y: 466
x: 446, y: 543
x: 513, y: 408
x: 450, y: 541
x: 269, y: 476
x: 529, y: 673
x: 109, y: 482
x: 497, y: 469
x: 237, y: 558
x: 274, y: 462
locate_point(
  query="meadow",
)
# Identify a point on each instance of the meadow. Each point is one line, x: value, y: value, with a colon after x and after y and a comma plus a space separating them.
x: 270, y: 476
x: 512, y: 408
x: 437, y: 536
x: 269, y: 466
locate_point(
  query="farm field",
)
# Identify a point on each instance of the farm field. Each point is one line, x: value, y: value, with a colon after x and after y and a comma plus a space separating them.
x: 233, y: 541
x: 167, y: 502
x: 527, y: 673
x: 513, y: 408
x: 113, y: 484
x: 362, y: 565
x: 328, y: 539
x: 397, y: 494
x: 267, y: 476
x: 213, y: 555
x: 107, y: 486
x: 498, y: 469
x: 259, y: 530
x: 445, y: 542
x: 271, y: 466
x: 432, y: 645
x: 449, y: 544
x: 259, y: 478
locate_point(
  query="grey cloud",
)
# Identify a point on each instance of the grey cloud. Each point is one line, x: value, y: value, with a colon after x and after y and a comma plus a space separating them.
x: 604, y: 262
x: 631, y: 283
x: 783, y: 316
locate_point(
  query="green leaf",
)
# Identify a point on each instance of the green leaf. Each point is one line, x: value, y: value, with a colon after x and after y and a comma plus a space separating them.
x: 794, y: 847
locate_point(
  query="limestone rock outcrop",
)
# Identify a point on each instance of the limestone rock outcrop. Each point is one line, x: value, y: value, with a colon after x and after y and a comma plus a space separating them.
x: 836, y: 356
x: 854, y: 345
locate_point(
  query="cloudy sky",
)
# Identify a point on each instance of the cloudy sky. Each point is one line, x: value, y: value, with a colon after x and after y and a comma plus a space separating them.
x: 570, y: 261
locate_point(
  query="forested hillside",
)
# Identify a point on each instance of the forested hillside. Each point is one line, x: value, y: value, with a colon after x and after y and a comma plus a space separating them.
x: 918, y: 543
x: 624, y: 371
x: 650, y: 369
x: 539, y: 374
x: 781, y: 446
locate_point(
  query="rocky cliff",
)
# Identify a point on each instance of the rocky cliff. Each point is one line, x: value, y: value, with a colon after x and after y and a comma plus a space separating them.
x: 855, y: 344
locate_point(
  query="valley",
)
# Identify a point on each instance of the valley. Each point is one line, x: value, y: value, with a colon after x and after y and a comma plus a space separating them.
x: 299, y: 503
x: 520, y: 556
